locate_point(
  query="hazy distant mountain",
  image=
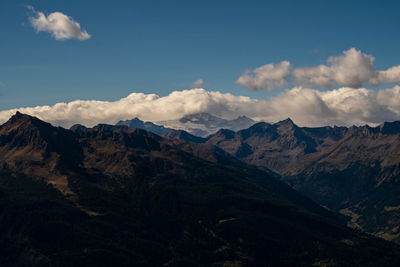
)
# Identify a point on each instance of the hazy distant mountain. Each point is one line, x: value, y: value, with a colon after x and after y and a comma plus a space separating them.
x: 160, y: 130
x: 355, y: 171
x: 190, y: 126
x: 148, y: 126
x: 204, y: 124
x: 119, y: 196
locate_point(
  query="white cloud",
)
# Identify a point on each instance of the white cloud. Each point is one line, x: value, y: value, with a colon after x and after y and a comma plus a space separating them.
x: 320, y: 75
x: 267, y: 77
x: 307, y: 107
x: 351, y: 69
x: 148, y: 107
x: 391, y: 75
x: 343, y: 106
x: 59, y: 25
x: 198, y: 83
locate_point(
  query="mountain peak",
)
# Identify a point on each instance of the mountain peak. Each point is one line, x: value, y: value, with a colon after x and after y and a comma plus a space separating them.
x: 244, y: 119
x: 23, y: 121
x: 77, y: 128
x: 286, y: 125
x: 287, y: 121
x: 148, y: 126
x: 18, y: 116
x: 36, y: 142
x: 133, y: 121
x: 258, y: 129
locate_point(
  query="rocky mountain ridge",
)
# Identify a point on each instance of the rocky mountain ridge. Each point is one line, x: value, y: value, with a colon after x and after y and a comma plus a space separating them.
x: 113, y: 195
x: 352, y: 170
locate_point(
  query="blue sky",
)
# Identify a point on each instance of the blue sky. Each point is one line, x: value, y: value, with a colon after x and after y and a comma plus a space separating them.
x: 162, y: 46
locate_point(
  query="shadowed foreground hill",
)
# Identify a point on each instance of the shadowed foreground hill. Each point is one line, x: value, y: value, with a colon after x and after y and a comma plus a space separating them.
x: 114, y: 196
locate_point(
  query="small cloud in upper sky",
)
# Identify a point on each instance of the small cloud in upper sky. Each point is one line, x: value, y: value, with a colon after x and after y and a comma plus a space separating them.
x: 59, y: 25
x: 352, y: 69
x: 198, y: 83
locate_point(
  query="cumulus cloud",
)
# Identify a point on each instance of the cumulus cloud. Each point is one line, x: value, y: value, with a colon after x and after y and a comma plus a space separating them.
x: 307, y: 107
x: 267, y: 77
x: 391, y: 75
x: 59, y: 25
x: 343, y: 106
x: 149, y: 107
x: 198, y: 83
x: 351, y: 69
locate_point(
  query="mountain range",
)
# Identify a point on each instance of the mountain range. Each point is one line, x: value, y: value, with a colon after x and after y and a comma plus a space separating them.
x: 191, y: 126
x: 161, y: 130
x: 148, y: 126
x: 199, y: 124
x: 114, y: 195
x: 350, y: 170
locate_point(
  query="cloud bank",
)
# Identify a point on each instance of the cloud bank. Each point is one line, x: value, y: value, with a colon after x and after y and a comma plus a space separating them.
x: 307, y: 107
x: 59, y: 25
x: 352, y: 69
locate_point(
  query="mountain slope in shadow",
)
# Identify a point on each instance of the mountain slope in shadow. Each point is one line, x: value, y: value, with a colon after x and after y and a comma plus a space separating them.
x: 113, y: 195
